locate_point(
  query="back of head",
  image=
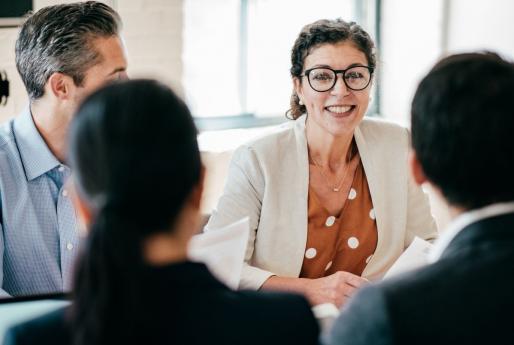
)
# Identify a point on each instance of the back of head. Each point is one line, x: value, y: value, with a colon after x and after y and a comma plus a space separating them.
x: 462, y: 126
x: 135, y: 157
x: 58, y: 39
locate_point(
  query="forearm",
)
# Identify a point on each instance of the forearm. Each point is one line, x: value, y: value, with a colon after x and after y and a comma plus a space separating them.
x: 295, y: 285
x: 335, y: 288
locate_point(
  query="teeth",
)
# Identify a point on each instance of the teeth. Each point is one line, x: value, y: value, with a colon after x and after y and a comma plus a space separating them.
x: 339, y: 109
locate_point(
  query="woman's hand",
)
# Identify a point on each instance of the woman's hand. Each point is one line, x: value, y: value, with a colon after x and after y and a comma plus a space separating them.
x: 335, y: 288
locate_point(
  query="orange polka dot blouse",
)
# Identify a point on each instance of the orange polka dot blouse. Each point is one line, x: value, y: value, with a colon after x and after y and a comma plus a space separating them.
x: 344, y: 241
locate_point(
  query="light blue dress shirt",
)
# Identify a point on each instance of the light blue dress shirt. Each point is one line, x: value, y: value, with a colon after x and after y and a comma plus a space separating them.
x: 38, y: 228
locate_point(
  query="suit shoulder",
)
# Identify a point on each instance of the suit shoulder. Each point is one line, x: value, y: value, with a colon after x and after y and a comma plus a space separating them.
x: 435, y: 281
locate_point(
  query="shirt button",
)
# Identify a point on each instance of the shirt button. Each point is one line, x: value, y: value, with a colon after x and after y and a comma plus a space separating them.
x: 61, y: 168
x: 330, y: 221
x: 65, y: 192
x: 69, y: 246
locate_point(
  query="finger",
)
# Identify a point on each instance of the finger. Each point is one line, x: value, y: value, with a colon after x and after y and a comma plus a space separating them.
x: 347, y: 290
x: 341, y: 301
x: 357, y: 282
x: 352, y: 279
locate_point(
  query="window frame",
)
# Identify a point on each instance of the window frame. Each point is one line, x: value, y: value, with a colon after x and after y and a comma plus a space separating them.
x: 367, y: 15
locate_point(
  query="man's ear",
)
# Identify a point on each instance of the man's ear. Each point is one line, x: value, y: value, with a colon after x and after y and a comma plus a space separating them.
x: 416, y: 169
x: 60, y: 85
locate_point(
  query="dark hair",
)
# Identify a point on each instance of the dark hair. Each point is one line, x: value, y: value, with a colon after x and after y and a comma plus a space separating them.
x: 322, y: 32
x: 58, y: 39
x: 462, y: 128
x: 135, y: 156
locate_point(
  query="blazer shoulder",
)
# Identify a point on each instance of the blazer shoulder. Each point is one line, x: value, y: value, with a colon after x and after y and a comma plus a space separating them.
x: 279, y: 135
x: 382, y: 126
x: 269, y: 147
x: 383, y: 133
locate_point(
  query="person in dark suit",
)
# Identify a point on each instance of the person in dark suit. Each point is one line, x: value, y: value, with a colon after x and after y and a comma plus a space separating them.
x: 462, y: 130
x: 139, y: 182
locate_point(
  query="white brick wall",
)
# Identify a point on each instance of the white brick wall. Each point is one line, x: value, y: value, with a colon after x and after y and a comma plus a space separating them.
x: 153, y: 34
x: 152, y: 30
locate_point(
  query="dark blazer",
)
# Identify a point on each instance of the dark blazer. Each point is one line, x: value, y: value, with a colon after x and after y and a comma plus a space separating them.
x: 185, y: 304
x: 466, y: 297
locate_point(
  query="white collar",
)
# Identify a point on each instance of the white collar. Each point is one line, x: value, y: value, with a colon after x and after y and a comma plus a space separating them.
x: 462, y: 221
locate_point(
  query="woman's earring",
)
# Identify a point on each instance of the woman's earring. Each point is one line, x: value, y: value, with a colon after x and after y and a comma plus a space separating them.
x: 300, y: 102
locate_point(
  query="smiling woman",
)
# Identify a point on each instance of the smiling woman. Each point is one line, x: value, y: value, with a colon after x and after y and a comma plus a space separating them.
x: 333, y: 105
x: 330, y: 199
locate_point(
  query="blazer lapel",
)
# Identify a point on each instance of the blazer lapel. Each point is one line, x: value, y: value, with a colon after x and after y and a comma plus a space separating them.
x: 376, y: 186
x: 300, y: 217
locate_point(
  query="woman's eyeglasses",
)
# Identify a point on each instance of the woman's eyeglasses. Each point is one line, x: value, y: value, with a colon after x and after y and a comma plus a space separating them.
x: 355, y: 78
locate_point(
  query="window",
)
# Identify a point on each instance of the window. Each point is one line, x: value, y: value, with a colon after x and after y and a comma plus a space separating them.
x: 236, y: 55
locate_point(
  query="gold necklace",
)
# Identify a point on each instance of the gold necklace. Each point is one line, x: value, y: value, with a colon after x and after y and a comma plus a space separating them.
x: 337, y: 187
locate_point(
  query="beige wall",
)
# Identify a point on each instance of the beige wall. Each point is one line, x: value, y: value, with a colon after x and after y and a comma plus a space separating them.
x: 152, y: 30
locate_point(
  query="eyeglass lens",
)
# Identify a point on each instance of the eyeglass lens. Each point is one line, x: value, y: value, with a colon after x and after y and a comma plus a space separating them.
x: 355, y: 78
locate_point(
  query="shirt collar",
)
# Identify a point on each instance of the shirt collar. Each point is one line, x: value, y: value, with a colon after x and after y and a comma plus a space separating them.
x: 36, y: 157
x: 462, y: 221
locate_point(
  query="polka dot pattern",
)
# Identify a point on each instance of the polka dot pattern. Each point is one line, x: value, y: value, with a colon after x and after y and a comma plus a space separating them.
x: 372, y: 214
x: 330, y: 221
x: 328, y: 266
x: 353, y: 242
x: 310, y: 253
x: 346, y: 242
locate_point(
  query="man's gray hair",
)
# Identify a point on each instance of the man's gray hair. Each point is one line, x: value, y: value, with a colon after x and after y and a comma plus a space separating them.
x: 59, y: 39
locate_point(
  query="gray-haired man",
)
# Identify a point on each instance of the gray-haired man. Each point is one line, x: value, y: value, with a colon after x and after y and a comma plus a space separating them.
x: 63, y: 52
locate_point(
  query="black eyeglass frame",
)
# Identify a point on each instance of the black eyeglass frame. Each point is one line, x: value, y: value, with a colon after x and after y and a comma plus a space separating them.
x: 336, y: 72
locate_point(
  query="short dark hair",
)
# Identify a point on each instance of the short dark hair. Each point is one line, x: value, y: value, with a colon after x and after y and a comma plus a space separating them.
x: 462, y: 128
x: 135, y: 124
x: 322, y: 32
x: 58, y: 39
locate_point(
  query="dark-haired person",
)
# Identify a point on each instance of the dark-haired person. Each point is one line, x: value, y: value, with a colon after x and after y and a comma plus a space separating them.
x: 462, y: 125
x: 63, y: 52
x: 329, y: 198
x: 134, y: 283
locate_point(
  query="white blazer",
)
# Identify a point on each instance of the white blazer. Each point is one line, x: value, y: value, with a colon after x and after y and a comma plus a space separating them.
x: 268, y: 181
